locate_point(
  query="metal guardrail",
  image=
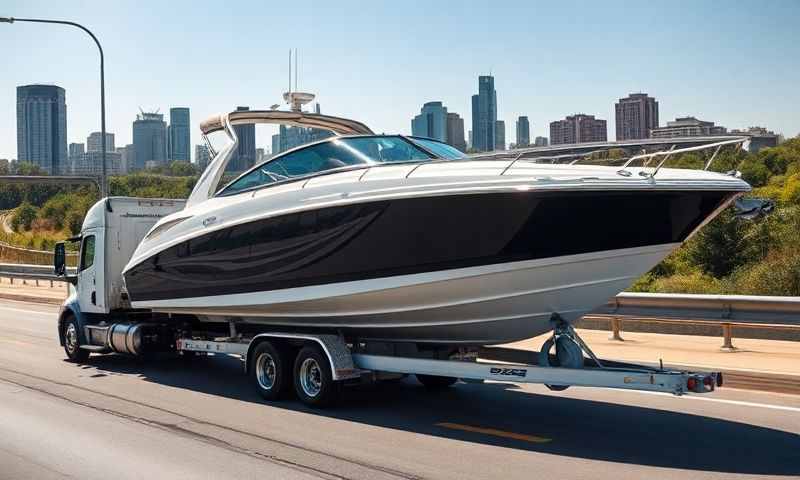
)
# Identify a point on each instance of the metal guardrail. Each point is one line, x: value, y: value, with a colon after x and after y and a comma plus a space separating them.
x: 726, y: 311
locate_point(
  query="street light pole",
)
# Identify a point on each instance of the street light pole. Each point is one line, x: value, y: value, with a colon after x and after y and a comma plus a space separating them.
x: 104, y: 177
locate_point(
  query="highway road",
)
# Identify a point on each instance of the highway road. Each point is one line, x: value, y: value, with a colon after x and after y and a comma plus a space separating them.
x: 172, y: 417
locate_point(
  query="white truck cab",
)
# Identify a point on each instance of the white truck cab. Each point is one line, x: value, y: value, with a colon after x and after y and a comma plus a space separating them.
x: 111, y: 231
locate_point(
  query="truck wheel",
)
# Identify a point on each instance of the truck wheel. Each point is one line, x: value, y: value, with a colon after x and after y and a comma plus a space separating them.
x: 72, y: 345
x: 270, y: 370
x: 435, y: 382
x: 313, y: 380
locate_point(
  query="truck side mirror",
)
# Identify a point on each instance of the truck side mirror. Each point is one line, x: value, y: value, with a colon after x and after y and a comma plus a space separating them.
x: 60, y: 259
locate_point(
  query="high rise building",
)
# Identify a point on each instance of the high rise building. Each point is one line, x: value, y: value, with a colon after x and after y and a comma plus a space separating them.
x: 523, y: 132
x: 636, y: 116
x: 455, y: 131
x: 245, y: 155
x: 500, y: 135
x: 179, y: 130
x: 126, y: 158
x: 201, y: 157
x: 431, y: 122
x: 688, y: 127
x: 94, y: 143
x: 484, y: 115
x: 75, y: 157
x: 42, y: 127
x: 540, y: 142
x: 91, y: 163
x: 578, y: 128
x: 149, y: 140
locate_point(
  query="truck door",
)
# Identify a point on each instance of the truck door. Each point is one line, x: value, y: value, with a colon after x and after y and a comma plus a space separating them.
x: 91, y: 287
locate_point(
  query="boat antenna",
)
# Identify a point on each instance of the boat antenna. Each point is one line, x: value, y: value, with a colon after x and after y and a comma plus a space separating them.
x: 290, y: 70
x: 295, y: 70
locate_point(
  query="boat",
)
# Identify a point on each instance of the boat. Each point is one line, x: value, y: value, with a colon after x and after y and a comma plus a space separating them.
x: 399, y: 238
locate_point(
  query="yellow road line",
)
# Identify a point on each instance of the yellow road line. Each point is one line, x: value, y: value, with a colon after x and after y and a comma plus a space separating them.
x: 494, y: 432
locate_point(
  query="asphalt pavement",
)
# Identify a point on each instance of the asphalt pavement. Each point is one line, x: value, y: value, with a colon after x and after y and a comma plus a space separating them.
x: 172, y: 417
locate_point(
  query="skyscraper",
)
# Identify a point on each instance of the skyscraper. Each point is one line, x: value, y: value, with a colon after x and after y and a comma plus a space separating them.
x: 523, y: 132
x: 431, y: 122
x: 94, y: 143
x: 499, y: 135
x: 149, y: 140
x: 540, y: 141
x: 179, y: 129
x: 42, y: 127
x: 578, y: 128
x: 245, y: 155
x: 636, y: 116
x: 455, y: 131
x: 75, y: 157
x: 484, y: 115
x: 201, y: 157
x: 127, y: 158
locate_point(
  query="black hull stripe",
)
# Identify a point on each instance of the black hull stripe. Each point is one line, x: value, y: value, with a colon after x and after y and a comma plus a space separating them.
x: 416, y: 235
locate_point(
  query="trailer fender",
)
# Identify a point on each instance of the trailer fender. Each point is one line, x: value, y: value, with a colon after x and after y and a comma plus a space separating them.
x: 342, y: 366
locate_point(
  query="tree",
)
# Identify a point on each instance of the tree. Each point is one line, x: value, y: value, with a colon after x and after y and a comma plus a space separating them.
x: 717, y: 248
x: 24, y: 216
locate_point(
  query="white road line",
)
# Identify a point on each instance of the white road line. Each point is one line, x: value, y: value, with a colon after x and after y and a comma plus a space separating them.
x: 10, y: 309
x: 723, y: 400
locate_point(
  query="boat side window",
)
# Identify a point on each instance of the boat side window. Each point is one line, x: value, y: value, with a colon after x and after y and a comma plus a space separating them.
x: 87, y: 252
x: 335, y: 153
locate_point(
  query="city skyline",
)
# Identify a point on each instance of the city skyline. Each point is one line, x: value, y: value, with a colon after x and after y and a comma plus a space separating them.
x: 726, y: 82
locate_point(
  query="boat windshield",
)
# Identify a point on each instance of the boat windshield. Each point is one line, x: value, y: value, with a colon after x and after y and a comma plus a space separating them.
x: 441, y: 150
x: 335, y: 153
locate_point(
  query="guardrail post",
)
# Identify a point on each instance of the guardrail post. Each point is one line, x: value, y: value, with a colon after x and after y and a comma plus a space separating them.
x: 727, y: 338
x: 616, y: 326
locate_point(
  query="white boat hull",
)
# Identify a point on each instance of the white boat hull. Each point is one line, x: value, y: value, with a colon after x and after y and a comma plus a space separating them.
x: 476, y: 305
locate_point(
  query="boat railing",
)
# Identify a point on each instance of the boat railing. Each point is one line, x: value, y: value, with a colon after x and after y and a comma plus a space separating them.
x: 665, y: 155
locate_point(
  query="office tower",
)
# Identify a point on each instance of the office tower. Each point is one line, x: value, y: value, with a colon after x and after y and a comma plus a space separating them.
x: 431, y: 122
x: 149, y: 140
x: 500, y: 135
x: 127, y: 158
x: 42, y: 127
x: 688, y: 127
x: 201, y: 157
x: 95, y: 141
x: 455, y: 131
x: 540, y: 142
x: 578, y: 128
x: 636, y: 116
x: 523, y: 132
x: 179, y: 130
x: 74, y: 157
x: 484, y: 115
x: 245, y: 155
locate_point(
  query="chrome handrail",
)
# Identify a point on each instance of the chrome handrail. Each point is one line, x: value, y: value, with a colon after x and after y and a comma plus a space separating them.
x: 672, y: 151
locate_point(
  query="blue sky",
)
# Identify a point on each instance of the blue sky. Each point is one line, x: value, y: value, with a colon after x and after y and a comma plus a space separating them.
x: 735, y: 63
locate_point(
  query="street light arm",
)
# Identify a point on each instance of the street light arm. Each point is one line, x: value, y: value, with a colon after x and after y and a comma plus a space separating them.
x: 104, y: 179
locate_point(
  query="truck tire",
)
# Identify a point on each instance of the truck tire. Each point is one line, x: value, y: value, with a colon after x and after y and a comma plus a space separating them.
x: 72, y: 345
x: 270, y: 370
x: 313, y: 380
x: 435, y: 382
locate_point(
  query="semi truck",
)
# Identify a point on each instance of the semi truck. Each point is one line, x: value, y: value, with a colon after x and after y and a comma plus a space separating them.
x: 97, y: 318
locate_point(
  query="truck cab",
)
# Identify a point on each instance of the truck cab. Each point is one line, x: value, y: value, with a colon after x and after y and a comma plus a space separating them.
x: 111, y: 231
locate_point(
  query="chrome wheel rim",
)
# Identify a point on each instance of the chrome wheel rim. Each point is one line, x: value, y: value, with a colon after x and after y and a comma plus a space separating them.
x: 71, y: 338
x: 265, y: 371
x: 310, y: 377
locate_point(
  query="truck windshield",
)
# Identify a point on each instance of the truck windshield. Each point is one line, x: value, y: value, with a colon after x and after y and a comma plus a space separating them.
x: 333, y: 154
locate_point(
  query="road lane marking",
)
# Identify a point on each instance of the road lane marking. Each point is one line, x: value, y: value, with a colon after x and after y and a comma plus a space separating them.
x: 740, y: 403
x: 494, y: 432
x: 10, y: 309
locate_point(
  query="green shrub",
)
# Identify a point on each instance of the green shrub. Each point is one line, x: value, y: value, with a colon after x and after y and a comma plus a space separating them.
x: 687, y: 283
x: 23, y: 217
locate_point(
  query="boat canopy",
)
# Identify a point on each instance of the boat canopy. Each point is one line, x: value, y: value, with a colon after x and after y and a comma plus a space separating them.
x: 337, y: 125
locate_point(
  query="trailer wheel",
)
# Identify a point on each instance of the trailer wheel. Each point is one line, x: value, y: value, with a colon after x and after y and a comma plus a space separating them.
x: 435, y: 382
x: 313, y: 380
x: 270, y: 370
x: 72, y: 345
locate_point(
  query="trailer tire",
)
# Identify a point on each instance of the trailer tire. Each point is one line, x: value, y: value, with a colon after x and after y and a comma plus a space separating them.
x: 313, y: 379
x: 270, y: 370
x: 435, y: 382
x: 72, y: 345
